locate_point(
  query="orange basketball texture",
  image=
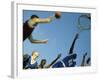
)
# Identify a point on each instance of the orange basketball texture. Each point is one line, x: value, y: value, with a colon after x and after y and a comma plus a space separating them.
x: 57, y: 15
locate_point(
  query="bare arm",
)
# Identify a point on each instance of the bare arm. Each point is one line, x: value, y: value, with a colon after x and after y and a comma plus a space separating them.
x: 48, y: 66
x: 36, y: 41
x: 83, y: 60
x: 45, y: 20
x: 73, y: 44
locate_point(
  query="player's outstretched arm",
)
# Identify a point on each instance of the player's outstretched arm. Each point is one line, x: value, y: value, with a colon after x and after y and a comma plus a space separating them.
x: 37, y: 41
x: 56, y: 15
x: 73, y: 43
x: 45, y: 20
x: 59, y: 55
x: 83, y: 60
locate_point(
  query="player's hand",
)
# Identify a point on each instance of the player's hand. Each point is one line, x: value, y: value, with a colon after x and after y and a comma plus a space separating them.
x: 85, y: 55
x: 44, y: 41
x: 77, y: 35
x: 59, y: 55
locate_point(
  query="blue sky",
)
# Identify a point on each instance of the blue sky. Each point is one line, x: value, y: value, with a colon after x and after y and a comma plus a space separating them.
x: 60, y: 34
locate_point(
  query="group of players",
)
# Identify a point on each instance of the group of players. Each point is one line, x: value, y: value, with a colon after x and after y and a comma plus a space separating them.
x: 29, y: 61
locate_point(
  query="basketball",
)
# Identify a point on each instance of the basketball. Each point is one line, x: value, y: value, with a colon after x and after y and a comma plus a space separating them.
x: 57, y: 14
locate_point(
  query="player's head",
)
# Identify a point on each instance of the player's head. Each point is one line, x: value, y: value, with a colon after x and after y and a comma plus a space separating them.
x: 35, y: 55
x: 43, y: 62
x: 34, y: 16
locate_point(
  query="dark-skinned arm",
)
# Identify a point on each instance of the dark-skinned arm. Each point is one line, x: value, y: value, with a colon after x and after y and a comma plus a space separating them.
x: 48, y: 66
x: 73, y: 44
x: 83, y: 60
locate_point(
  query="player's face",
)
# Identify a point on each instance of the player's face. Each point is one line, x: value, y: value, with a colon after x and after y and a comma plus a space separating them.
x: 43, y: 62
x: 34, y: 19
x: 35, y: 55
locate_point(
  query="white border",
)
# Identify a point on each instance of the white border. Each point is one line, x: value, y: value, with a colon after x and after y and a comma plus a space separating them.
x: 17, y: 70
